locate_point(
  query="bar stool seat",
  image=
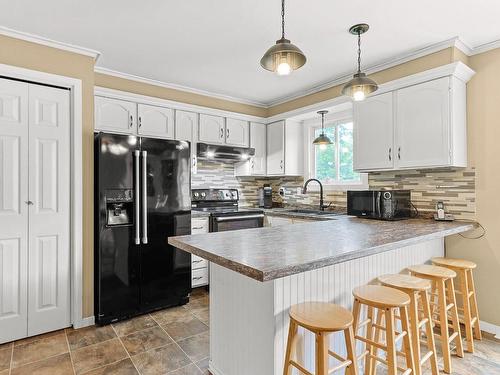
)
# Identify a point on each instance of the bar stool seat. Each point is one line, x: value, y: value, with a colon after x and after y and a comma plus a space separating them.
x: 467, y: 296
x: 379, y: 296
x: 321, y: 318
x: 455, y: 263
x: 405, y: 282
x: 434, y: 271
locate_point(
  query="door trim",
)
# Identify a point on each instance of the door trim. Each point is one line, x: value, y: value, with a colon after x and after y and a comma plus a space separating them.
x: 76, y: 187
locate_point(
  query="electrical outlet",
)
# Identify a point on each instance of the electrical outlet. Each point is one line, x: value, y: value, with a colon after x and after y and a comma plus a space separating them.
x: 299, y: 190
x: 282, y: 191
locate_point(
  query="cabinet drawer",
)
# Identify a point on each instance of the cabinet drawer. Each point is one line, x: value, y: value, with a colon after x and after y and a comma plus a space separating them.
x: 199, y: 225
x: 197, y: 262
x: 199, y: 277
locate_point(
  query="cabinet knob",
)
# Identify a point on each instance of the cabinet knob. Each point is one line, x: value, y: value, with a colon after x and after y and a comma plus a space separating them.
x: 29, y: 203
x: 131, y: 121
x: 399, y: 153
x: 390, y: 153
x: 222, y: 133
x: 281, y: 164
x: 140, y: 121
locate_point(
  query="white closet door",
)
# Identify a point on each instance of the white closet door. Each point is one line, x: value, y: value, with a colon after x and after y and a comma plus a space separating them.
x: 49, y: 181
x: 13, y: 209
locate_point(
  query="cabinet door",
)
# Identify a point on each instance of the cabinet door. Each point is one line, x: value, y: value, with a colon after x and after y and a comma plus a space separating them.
x: 258, y: 135
x: 276, y: 148
x: 115, y: 115
x: 13, y: 209
x: 211, y: 129
x: 49, y: 240
x: 237, y: 132
x: 422, y: 132
x: 374, y: 133
x: 186, y: 124
x: 155, y: 121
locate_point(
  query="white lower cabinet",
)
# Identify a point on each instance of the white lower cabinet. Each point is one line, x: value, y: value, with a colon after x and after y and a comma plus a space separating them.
x: 199, y: 266
x: 34, y: 209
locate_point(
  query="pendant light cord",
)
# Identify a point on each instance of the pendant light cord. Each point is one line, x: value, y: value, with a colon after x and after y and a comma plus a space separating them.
x: 359, y: 51
x: 322, y: 124
x: 283, y: 19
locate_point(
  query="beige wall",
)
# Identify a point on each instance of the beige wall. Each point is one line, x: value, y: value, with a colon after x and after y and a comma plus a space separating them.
x: 483, y: 113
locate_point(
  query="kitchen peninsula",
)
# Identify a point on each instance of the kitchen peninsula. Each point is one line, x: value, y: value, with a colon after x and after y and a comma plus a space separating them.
x: 257, y: 274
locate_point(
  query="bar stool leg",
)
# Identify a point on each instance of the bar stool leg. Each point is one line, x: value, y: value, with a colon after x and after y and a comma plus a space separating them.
x: 431, y: 345
x: 473, y: 302
x: 352, y: 369
x: 392, y: 368
x: 415, y: 331
x: 290, y: 347
x: 464, y: 288
x: 443, y: 325
x: 378, y: 333
x: 322, y: 358
x: 407, y: 339
x: 454, y: 318
x: 369, y: 361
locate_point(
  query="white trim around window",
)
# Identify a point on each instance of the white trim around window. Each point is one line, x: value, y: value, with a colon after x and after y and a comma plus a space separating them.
x: 309, y: 127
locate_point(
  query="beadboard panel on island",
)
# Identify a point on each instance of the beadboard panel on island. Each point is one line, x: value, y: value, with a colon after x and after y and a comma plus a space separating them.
x: 454, y: 186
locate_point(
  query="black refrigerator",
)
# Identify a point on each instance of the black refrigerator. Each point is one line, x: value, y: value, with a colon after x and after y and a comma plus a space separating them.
x: 142, y: 197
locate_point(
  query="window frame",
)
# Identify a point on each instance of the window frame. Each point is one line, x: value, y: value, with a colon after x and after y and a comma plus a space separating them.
x: 333, y: 120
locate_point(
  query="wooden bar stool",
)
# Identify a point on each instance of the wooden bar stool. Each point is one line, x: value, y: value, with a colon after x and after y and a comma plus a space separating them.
x: 386, y: 301
x: 444, y: 290
x: 321, y: 318
x: 417, y: 289
x: 467, y: 291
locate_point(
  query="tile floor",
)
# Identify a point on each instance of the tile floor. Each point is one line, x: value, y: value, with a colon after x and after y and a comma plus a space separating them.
x: 172, y: 341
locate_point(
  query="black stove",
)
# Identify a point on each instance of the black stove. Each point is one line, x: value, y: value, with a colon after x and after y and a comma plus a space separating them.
x: 225, y: 213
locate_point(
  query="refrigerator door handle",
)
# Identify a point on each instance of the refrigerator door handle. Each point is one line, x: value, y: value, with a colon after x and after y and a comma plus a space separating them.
x: 137, y: 235
x: 144, y: 197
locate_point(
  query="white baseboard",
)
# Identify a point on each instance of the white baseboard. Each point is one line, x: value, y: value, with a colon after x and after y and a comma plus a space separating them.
x: 213, y: 370
x: 490, y: 328
x: 84, y: 322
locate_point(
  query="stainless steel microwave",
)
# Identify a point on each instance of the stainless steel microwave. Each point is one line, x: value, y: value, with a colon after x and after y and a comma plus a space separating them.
x: 380, y: 204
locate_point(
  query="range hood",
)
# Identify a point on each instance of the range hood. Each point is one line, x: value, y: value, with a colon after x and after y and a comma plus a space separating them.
x: 223, y: 153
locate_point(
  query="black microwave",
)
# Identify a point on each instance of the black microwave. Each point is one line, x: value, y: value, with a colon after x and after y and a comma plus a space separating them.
x: 380, y: 204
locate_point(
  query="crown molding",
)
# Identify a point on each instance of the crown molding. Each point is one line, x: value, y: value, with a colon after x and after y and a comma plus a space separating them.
x: 49, y: 42
x: 174, y: 86
x: 485, y: 47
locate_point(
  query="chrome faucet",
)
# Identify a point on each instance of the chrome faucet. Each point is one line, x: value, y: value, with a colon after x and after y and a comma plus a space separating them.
x: 304, y: 191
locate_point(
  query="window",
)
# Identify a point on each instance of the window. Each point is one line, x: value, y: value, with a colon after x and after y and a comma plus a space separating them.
x: 333, y: 164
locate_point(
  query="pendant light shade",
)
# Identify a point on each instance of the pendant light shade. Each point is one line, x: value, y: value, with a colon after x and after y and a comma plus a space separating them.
x: 284, y: 57
x: 360, y: 85
x: 322, y: 139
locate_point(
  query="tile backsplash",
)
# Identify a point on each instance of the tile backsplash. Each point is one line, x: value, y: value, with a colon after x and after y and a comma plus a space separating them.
x: 454, y: 186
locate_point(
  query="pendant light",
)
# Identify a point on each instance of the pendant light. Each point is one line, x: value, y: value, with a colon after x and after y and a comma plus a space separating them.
x: 360, y: 85
x: 322, y: 140
x: 284, y: 57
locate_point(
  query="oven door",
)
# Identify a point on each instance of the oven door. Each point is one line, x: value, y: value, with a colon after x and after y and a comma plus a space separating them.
x: 243, y: 221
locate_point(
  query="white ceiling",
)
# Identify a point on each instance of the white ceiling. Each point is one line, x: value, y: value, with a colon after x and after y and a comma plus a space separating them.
x: 216, y: 45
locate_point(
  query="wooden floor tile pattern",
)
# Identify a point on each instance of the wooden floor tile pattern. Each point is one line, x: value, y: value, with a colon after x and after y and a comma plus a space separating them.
x: 172, y: 341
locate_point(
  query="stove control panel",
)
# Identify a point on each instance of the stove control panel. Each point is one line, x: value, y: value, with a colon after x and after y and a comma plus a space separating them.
x: 214, y: 195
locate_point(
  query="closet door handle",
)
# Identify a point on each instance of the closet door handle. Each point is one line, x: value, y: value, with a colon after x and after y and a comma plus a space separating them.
x: 144, y: 197
x: 137, y: 237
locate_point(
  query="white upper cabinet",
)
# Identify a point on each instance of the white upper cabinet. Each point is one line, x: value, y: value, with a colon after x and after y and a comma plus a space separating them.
x: 374, y: 133
x: 421, y: 123
x: 256, y: 165
x: 258, y: 137
x: 211, y: 129
x: 423, y: 131
x: 155, y: 121
x: 237, y: 132
x: 276, y: 148
x: 186, y: 124
x: 115, y: 115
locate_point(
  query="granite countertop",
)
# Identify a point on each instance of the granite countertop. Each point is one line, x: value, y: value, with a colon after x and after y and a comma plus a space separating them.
x: 270, y: 253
